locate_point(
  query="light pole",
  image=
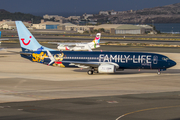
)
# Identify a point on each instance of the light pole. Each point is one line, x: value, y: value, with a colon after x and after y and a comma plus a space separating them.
x: 153, y: 23
x: 32, y: 20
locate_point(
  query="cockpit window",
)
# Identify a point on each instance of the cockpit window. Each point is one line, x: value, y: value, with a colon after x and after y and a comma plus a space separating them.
x: 165, y: 58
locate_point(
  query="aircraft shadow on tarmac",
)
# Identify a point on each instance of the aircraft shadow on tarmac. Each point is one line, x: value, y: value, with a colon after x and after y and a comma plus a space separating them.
x: 116, y: 73
x: 176, y: 119
x: 135, y: 71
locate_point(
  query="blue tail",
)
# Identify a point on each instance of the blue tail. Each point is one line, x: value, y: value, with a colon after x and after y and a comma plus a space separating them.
x: 27, y: 40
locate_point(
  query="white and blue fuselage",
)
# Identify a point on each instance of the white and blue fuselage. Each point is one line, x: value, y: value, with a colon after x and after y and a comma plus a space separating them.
x: 124, y: 60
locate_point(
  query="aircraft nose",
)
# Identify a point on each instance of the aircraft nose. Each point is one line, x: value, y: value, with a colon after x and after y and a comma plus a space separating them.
x: 172, y: 63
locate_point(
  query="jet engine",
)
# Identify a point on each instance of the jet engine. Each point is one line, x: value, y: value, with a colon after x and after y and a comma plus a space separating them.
x: 106, y: 69
x: 63, y: 48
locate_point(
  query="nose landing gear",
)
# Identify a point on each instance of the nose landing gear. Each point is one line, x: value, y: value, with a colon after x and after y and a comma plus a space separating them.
x: 159, y: 72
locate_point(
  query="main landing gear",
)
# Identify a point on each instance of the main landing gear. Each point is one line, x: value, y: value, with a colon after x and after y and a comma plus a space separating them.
x: 91, y: 71
x: 159, y: 72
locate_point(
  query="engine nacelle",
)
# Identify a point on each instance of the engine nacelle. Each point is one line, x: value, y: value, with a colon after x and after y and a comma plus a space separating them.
x: 63, y: 48
x: 106, y: 69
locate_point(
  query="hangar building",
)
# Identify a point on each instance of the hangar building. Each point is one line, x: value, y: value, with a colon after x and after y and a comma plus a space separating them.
x: 124, y: 28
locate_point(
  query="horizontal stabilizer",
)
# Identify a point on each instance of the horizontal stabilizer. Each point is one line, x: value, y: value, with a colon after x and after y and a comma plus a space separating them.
x: 51, y: 57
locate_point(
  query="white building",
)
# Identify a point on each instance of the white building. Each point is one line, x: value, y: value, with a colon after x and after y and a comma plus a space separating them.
x: 103, y: 13
x: 74, y: 17
x: 113, y: 13
x: 87, y: 15
x: 49, y: 16
x: 46, y: 25
x: 8, y: 24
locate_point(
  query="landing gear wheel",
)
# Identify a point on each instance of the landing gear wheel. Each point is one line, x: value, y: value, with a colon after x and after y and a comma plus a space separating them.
x: 90, y: 72
x: 159, y: 72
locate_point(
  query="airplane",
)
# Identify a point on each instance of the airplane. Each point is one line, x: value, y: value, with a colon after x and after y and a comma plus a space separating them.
x: 94, y: 61
x: 80, y: 46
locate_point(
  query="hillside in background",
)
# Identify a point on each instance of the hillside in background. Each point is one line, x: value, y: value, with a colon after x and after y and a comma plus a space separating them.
x: 19, y: 16
x: 164, y: 14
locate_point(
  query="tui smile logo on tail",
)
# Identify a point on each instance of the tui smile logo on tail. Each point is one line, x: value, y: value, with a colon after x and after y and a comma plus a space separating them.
x: 27, y: 42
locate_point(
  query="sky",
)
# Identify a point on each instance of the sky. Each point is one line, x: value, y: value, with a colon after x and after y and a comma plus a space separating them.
x: 75, y: 7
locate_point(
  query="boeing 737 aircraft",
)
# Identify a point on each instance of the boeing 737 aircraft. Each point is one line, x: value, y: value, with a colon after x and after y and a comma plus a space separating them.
x: 102, y: 62
x: 80, y: 46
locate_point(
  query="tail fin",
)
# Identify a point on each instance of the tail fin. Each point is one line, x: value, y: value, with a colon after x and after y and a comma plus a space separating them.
x: 97, y: 38
x: 27, y: 40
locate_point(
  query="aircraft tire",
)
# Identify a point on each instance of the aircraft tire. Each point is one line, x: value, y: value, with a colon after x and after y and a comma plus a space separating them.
x: 159, y: 72
x: 90, y: 72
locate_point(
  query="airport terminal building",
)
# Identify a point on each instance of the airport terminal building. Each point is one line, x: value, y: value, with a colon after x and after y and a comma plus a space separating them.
x: 108, y: 28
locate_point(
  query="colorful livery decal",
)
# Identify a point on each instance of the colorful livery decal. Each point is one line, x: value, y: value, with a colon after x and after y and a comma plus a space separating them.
x: 39, y: 57
x: 58, y: 58
x: 96, y: 40
x: 22, y: 39
x: 66, y: 48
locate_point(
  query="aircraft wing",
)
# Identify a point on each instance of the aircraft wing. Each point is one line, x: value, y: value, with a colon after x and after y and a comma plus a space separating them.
x: 82, y: 64
x: 88, y: 47
x: 89, y: 64
x: 66, y: 43
x: 22, y: 53
x: 62, y: 43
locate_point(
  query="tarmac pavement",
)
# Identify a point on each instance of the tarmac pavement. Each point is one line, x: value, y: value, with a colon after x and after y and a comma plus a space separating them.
x: 29, y: 90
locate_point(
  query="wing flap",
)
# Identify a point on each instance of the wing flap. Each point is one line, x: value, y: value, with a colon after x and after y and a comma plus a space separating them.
x: 82, y: 64
x: 62, y: 43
